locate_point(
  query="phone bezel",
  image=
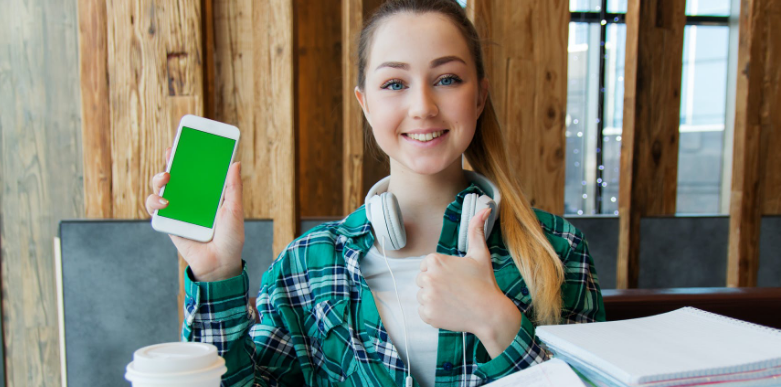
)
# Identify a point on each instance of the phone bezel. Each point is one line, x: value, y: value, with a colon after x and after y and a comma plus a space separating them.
x: 184, y: 229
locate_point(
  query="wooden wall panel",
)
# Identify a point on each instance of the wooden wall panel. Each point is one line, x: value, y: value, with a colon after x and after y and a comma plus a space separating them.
x: 154, y: 66
x: 96, y: 139
x: 526, y: 62
x: 649, y: 149
x: 756, y: 183
x: 253, y: 83
x: 40, y: 176
x: 319, y: 110
x: 353, y: 120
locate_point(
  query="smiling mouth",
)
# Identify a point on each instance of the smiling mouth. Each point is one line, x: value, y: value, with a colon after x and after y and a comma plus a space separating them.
x: 425, y: 137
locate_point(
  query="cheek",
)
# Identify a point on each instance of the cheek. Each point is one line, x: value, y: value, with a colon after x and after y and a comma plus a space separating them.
x: 387, y: 117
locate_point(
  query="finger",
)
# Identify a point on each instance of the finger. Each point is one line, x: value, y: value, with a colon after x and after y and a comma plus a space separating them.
x: 154, y: 202
x: 232, y: 201
x: 159, y: 180
x: 167, y: 155
x: 420, y: 280
x: 428, y: 262
x: 476, y: 235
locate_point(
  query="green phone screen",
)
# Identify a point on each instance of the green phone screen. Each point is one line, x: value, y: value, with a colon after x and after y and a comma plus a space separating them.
x: 198, y: 173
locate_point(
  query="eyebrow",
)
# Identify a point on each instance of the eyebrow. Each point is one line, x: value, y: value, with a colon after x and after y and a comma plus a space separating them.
x: 434, y: 63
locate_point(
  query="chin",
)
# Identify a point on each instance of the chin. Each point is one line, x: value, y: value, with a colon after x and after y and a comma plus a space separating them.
x: 429, y: 166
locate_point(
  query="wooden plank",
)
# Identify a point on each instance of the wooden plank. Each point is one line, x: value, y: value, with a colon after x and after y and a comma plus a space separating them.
x: 154, y: 63
x: 319, y: 107
x: 755, y: 181
x: 771, y: 115
x: 649, y: 149
x: 353, y: 121
x: 96, y: 142
x: 274, y: 162
x: 253, y: 83
x: 527, y: 69
x: 40, y: 176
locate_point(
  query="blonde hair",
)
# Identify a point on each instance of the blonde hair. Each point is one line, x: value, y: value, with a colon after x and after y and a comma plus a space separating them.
x: 537, y: 261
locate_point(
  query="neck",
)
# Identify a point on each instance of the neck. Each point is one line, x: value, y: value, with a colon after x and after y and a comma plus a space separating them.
x: 426, y: 195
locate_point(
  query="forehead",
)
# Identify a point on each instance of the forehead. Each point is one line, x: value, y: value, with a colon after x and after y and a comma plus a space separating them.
x: 417, y: 39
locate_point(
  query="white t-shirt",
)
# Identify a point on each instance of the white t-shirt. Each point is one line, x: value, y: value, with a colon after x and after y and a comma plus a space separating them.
x: 422, y: 338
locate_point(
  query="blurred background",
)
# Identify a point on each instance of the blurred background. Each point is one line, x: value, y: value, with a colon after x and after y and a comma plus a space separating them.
x: 648, y: 124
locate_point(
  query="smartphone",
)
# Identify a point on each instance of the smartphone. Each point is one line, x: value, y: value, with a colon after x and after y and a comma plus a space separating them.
x: 200, y: 157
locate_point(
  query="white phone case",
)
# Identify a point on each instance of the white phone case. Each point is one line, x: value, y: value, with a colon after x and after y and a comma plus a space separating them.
x: 184, y: 229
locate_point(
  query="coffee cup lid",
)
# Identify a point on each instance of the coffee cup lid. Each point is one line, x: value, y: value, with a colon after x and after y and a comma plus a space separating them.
x: 180, y: 358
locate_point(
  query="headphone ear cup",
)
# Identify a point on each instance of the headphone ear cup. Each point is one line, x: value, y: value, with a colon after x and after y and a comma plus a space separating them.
x: 394, y: 223
x: 467, y: 212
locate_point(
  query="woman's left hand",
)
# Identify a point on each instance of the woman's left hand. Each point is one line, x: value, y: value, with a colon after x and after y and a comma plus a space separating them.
x: 461, y: 294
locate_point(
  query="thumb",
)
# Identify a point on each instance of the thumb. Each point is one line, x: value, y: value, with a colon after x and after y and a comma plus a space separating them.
x: 233, y: 186
x: 477, y: 247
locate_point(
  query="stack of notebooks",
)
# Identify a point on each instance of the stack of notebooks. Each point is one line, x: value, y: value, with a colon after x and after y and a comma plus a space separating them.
x: 686, y: 347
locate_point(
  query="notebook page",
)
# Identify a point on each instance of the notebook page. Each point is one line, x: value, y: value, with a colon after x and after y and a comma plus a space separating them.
x: 684, y: 343
x: 552, y: 373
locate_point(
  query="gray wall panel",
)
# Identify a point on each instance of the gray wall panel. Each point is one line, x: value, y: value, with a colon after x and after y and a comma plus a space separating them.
x: 601, y: 233
x: 770, y: 252
x: 683, y: 252
x: 257, y: 252
x: 120, y: 281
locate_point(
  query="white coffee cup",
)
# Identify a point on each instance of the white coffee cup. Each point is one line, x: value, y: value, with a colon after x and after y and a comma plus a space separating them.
x: 180, y: 364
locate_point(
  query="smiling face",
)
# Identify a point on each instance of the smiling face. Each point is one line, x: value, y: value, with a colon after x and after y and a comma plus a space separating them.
x: 421, y: 97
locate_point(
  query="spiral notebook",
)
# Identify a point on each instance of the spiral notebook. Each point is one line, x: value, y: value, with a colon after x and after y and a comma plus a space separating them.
x: 687, y: 346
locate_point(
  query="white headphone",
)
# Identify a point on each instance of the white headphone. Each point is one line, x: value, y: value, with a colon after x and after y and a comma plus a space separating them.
x: 382, y: 210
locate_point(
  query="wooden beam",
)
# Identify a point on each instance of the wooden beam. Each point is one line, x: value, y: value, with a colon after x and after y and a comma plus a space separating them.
x: 95, y: 119
x: 649, y: 149
x: 756, y: 183
x: 154, y: 63
x: 353, y: 121
x: 274, y: 164
x: 319, y: 107
x: 527, y: 68
x: 40, y: 177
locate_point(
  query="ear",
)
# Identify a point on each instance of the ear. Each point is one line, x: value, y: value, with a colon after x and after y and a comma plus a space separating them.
x: 361, y: 97
x: 482, y: 96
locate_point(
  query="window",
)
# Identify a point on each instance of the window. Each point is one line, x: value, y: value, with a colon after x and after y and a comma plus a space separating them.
x: 595, y: 97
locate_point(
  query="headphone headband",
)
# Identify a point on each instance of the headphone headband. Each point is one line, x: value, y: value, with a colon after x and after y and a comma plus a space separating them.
x: 486, y: 185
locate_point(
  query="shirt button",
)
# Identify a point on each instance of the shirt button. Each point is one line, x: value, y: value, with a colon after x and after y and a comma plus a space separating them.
x: 452, y: 217
x: 447, y: 366
x: 525, y: 291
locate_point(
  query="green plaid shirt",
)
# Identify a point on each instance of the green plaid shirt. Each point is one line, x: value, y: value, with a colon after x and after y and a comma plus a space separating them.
x: 319, y: 325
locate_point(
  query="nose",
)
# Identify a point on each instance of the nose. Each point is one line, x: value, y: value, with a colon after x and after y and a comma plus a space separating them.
x: 423, y: 103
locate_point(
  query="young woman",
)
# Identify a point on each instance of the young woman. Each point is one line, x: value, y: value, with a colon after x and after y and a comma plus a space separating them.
x: 342, y: 306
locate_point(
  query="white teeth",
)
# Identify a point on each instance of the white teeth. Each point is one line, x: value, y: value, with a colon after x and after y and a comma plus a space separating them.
x: 426, y: 137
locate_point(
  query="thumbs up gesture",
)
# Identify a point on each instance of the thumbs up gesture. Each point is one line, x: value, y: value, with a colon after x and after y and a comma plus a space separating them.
x: 461, y: 293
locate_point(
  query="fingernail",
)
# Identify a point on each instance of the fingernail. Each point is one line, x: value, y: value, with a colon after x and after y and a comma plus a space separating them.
x: 163, y: 201
x: 487, y: 212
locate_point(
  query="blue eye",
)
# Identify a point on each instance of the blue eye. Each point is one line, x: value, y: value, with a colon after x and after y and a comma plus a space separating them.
x: 393, y: 84
x: 449, y: 80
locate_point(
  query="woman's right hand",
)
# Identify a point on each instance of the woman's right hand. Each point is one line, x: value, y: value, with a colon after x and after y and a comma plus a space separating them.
x: 219, y: 258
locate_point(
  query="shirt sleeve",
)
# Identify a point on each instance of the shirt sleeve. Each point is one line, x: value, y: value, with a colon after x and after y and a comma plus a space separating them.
x: 219, y: 313
x: 581, y: 303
